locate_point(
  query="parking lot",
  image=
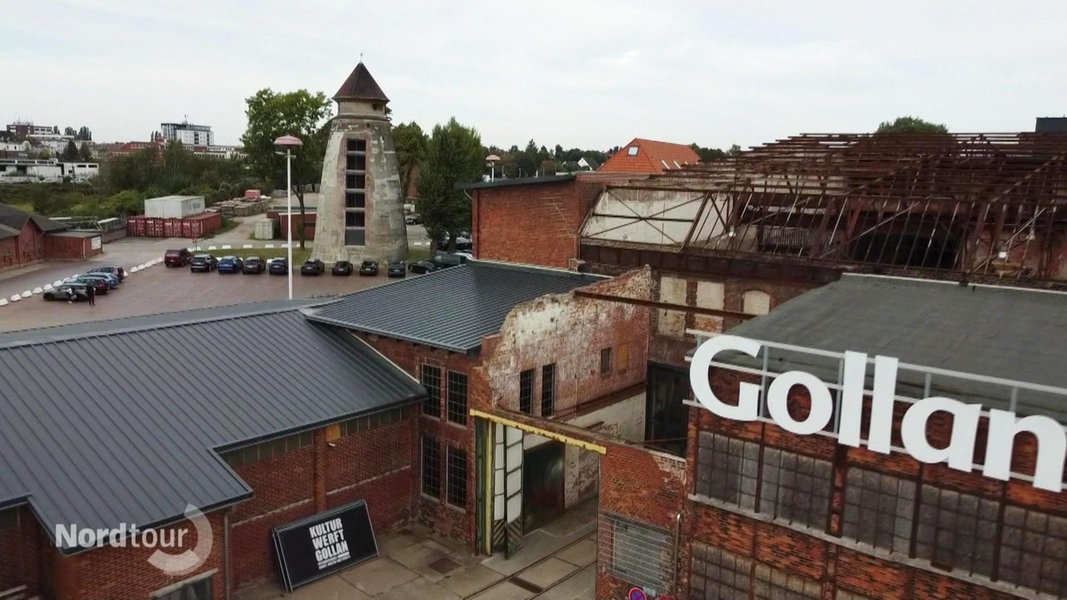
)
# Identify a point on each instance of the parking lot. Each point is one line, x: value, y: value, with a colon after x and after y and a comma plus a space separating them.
x: 156, y: 288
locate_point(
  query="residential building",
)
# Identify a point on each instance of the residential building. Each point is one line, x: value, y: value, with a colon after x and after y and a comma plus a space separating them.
x: 187, y: 133
x: 650, y: 156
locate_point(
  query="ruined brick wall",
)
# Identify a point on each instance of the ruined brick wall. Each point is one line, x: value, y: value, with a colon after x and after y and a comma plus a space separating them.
x: 21, y: 542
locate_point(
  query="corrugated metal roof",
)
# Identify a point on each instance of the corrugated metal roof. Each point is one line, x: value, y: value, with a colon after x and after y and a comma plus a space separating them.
x: 453, y: 308
x: 1002, y: 332
x: 123, y: 425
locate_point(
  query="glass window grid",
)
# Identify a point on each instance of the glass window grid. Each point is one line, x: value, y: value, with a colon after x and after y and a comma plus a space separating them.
x: 957, y: 531
x: 879, y: 510
x: 430, y: 376
x: 719, y: 575
x: 267, y: 450
x: 457, y: 477
x: 431, y: 467
x: 526, y: 384
x: 548, y: 390
x: 796, y: 487
x: 1033, y: 550
x: 727, y: 469
x: 457, y: 398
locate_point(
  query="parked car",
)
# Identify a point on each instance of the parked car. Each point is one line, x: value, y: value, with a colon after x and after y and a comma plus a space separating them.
x: 278, y: 266
x: 444, y: 260
x: 79, y: 292
x: 177, y: 258
x: 422, y: 266
x: 253, y: 265
x: 413, y: 220
x: 100, y: 285
x: 203, y: 263
x: 111, y: 270
x: 463, y: 242
x: 396, y: 268
x: 368, y: 267
x: 312, y: 266
x: 342, y: 268
x: 111, y: 281
x: 230, y: 264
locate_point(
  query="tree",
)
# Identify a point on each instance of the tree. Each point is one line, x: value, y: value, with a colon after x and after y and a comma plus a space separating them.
x: 69, y: 131
x: 85, y: 153
x: 454, y: 155
x: 70, y: 153
x: 911, y: 125
x: 707, y: 154
x: 84, y: 134
x: 411, y: 143
x: 298, y: 113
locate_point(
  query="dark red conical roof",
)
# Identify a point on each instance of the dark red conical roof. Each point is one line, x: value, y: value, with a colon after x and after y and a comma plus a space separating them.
x: 360, y: 86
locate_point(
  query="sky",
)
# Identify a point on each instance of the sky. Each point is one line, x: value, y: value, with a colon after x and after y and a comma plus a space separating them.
x: 590, y: 75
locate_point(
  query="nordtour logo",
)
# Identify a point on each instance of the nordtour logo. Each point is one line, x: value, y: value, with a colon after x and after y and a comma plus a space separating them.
x: 179, y: 549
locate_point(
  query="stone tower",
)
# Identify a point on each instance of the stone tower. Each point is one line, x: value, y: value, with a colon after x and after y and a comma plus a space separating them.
x: 361, y: 212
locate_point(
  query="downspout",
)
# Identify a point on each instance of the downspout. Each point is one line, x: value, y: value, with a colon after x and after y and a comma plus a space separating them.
x: 226, y: 552
x: 677, y: 546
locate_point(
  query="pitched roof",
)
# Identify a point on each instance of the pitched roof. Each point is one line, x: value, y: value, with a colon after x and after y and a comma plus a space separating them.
x: 360, y: 86
x: 1002, y: 332
x: 453, y: 308
x: 125, y: 424
x: 649, y: 156
x: 15, y: 218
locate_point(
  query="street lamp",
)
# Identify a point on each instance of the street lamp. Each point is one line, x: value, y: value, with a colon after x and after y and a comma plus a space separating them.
x: 492, y: 159
x: 288, y: 142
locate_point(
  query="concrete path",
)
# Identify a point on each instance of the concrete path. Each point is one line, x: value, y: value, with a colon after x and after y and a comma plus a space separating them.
x: 558, y: 562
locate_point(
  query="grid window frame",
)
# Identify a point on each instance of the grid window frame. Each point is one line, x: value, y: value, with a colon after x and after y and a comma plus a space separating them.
x: 201, y: 589
x: 605, y: 361
x: 526, y: 386
x: 639, y: 553
x: 718, y: 574
x: 456, y: 494
x: 957, y: 531
x: 728, y: 469
x: 431, y: 467
x: 1033, y: 551
x: 456, y: 396
x: 548, y: 390
x: 769, y: 583
x: 879, y: 510
x: 795, y: 487
x: 430, y: 377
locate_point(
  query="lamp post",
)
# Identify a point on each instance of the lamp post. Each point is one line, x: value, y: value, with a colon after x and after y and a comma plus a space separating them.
x: 492, y: 159
x: 288, y: 142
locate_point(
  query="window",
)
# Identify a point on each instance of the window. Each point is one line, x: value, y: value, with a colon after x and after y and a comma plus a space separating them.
x: 526, y: 391
x: 727, y: 469
x: 356, y: 145
x: 548, y: 390
x: 355, y: 219
x: 776, y: 584
x: 1033, y: 551
x: 197, y: 590
x: 879, y: 509
x: 430, y: 376
x: 354, y: 181
x: 957, y: 531
x: 796, y: 487
x: 268, y: 450
x: 755, y: 302
x: 457, y: 477
x: 719, y: 575
x: 457, y: 398
x: 431, y: 467
x: 355, y: 200
x: 605, y: 361
x: 640, y: 553
x: 374, y: 420
x: 356, y: 162
x: 631, y: 151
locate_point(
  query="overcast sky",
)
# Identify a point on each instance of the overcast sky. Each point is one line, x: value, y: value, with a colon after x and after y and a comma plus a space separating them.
x: 581, y: 74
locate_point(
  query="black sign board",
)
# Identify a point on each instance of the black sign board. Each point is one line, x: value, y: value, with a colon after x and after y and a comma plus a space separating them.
x: 325, y: 543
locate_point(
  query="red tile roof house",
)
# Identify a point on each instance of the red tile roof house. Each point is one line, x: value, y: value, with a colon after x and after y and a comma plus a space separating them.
x: 649, y: 156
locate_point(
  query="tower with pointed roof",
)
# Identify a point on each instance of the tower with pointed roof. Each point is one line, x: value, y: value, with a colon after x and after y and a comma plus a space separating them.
x: 361, y: 211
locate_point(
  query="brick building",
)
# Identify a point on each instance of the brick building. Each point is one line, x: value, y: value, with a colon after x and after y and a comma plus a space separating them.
x: 650, y: 156
x: 512, y: 356
x: 179, y: 419
x: 27, y: 238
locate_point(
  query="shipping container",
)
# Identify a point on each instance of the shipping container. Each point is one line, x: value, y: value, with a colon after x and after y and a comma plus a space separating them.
x: 174, y: 207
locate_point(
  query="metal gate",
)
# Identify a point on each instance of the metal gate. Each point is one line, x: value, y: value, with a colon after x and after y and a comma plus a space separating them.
x: 507, y: 489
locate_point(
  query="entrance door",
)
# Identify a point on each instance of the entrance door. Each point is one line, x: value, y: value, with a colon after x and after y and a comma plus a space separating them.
x: 542, y: 482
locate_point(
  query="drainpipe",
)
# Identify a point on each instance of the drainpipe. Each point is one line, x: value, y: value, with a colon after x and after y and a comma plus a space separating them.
x: 677, y: 545
x: 226, y: 553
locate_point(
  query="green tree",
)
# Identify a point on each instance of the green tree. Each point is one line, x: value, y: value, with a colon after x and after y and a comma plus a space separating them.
x: 411, y: 143
x: 68, y: 130
x: 708, y: 154
x: 911, y: 125
x: 300, y: 113
x: 85, y: 153
x: 84, y: 134
x: 70, y: 153
x: 454, y: 155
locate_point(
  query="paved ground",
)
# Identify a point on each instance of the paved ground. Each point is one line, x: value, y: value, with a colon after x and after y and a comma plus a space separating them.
x: 558, y: 562
x: 159, y: 289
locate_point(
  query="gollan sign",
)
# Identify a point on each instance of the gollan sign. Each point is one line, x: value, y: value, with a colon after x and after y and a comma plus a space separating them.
x: 958, y: 453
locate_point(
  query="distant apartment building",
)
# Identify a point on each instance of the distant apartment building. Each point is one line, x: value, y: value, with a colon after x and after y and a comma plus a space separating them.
x: 23, y: 129
x: 188, y: 134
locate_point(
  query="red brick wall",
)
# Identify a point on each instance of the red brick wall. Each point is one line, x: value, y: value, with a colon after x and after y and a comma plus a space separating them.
x: 25, y: 248
x: 643, y: 486
x: 535, y: 224
x: 124, y: 573
x: 61, y: 247
x: 20, y: 548
x: 435, y: 512
x: 820, y: 560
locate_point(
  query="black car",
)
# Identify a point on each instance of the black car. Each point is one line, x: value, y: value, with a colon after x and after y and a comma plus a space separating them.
x: 278, y: 266
x: 443, y: 260
x: 100, y: 285
x: 396, y: 269
x: 312, y: 266
x: 254, y: 265
x: 463, y: 242
x: 203, y: 263
x: 422, y: 266
x: 110, y: 270
x: 341, y: 267
x: 68, y: 291
x: 178, y: 257
x: 368, y: 267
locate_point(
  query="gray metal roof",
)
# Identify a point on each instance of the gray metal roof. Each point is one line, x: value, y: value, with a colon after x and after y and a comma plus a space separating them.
x: 1002, y: 332
x: 453, y: 308
x: 124, y: 425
